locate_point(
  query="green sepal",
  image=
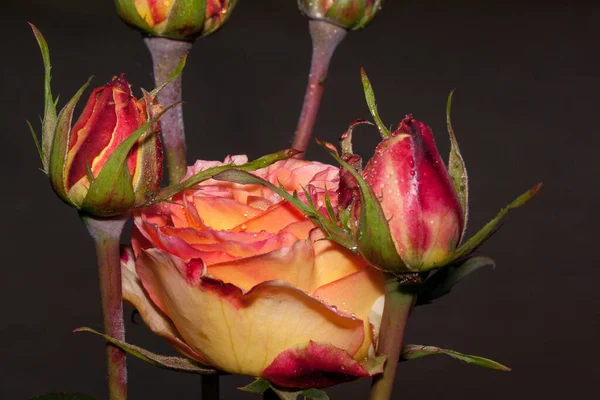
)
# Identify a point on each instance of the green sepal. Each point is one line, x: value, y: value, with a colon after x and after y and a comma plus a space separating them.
x: 111, y: 193
x: 477, y: 240
x: 60, y: 147
x: 333, y: 231
x: 370, y: 97
x: 457, y: 169
x: 209, y: 173
x: 180, y: 364
x: 176, y: 72
x: 37, y: 142
x: 442, y: 281
x: 128, y: 13
x: 373, y: 239
x: 414, y: 351
x: 64, y: 396
x: 368, y: 16
x: 185, y: 20
x: 50, y: 118
x: 260, y: 386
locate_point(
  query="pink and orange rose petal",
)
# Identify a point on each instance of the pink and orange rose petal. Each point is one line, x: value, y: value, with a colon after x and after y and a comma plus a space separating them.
x: 237, y: 278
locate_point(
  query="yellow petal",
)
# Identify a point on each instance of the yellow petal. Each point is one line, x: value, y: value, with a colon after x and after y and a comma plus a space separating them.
x: 156, y: 320
x: 355, y: 294
x: 241, y: 332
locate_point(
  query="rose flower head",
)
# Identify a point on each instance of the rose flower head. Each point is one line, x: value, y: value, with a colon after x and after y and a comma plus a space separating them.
x: 406, y: 212
x: 175, y: 19
x: 349, y: 14
x: 236, y: 277
x: 110, y: 160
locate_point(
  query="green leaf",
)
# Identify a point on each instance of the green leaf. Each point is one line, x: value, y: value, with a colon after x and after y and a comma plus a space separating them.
x: 370, y: 97
x: 60, y: 146
x: 457, y: 169
x: 176, y: 72
x: 111, y: 193
x: 476, y: 240
x: 333, y: 231
x: 413, y: 351
x: 260, y: 386
x: 64, y: 396
x: 50, y: 119
x: 442, y: 281
x: 167, y: 362
x: 209, y: 173
x: 374, y: 239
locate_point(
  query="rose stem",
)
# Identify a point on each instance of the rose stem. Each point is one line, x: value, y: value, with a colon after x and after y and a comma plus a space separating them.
x: 210, y: 387
x: 166, y: 54
x: 325, y: 39
x: 106, y: 233
x: 398, y: 304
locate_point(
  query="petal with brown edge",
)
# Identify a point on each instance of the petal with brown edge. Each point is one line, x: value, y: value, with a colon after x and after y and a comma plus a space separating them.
x: 241, y: 332
x: 313, y: 365
x: 156, y: 320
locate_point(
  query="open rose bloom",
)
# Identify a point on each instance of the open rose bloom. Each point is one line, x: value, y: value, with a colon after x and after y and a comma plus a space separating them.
x: 237, y: 278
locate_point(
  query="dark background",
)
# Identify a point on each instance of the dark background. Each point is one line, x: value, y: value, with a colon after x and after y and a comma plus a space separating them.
x: 527, y: 79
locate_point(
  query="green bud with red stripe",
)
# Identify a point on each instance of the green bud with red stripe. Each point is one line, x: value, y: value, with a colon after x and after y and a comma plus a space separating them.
x: 175, y: 19
x: 349, y: 14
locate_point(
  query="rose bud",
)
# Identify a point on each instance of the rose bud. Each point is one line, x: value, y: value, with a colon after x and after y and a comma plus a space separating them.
x: 416, y: 195
x: 99, y: 166
x: 175, y: 19
x: 349, y: 14
x: 236, y: 277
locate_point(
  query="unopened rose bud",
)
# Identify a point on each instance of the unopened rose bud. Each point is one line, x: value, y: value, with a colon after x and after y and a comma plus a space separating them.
x: 349, y: 14
x: 175, y: 19
x: 84, y: 170
x: 416, y: 195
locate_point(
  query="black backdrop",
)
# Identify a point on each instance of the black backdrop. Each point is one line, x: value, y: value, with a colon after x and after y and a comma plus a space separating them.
x: 527, y: 81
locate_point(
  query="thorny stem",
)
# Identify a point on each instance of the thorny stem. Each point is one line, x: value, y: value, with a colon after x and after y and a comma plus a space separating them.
x: 166, y: 54
x: 398, y: 304
x: 325, y: 39
x: 106, y: 233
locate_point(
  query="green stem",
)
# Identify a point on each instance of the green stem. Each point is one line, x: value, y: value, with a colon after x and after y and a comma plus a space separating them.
x: 398, y: 304
x: 210, y: 387
x: 325, y: 39
x: 166, y: 54
x: 106, y: 233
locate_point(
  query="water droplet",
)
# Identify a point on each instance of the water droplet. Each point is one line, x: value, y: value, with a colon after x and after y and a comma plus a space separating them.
x: 412, y: 173
x: 243, y: 227
x: 353, y: 316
